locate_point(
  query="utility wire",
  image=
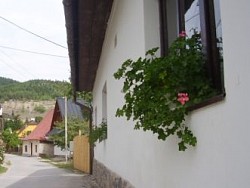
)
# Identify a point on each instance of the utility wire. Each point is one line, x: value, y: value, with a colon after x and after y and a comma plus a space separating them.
x: 31, y: 32
x: 19, y: 73
x: 27, y: 51
x: 19, y: 64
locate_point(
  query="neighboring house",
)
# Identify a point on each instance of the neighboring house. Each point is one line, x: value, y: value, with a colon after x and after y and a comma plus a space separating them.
x: 36, y: 143
x: 103, y: 34
x: 73, y: 111
x: 27, y: 129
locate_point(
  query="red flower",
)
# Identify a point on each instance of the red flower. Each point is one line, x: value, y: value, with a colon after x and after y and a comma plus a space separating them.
x: 183, y: 98
x: 182, y: 34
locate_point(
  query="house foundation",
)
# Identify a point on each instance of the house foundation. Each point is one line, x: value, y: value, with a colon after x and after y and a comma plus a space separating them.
x: 105, y: 178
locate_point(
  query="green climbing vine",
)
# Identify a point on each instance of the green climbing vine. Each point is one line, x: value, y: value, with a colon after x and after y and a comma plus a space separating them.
x: 99, y: 133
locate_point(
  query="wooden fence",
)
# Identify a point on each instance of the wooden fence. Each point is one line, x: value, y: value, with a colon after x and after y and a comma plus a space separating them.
x: 81, y: 155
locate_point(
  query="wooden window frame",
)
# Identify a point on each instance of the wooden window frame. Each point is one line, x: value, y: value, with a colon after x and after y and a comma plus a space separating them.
x: 208, y: 35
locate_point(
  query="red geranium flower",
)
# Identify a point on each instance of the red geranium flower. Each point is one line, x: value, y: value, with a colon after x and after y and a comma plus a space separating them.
x: 182, y: 34
x: 183, y: 98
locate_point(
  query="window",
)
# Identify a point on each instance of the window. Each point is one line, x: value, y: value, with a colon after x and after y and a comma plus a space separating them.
x: 204, y: 17
x: 95, y: 116
x: 104, y: 111
x: 26, y: 148
x: 36, y: 148
x: 104, y: 103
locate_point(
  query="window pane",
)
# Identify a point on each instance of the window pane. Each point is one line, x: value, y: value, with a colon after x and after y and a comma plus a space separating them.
x: 172, y: 21
x: 192, y: 17
x: 218, y: 26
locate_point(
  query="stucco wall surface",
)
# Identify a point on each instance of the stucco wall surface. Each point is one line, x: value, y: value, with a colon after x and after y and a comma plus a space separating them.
x: 222, y: 155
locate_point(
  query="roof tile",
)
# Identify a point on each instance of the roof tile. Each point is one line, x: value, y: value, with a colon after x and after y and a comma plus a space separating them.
x: 42, y: 128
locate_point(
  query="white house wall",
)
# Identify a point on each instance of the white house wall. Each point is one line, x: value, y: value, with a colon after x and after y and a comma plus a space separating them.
x: 46, y: 149
x: 60, y: 152
x: 35, y: 148
x: 222, y: 155
x: 31, y: 148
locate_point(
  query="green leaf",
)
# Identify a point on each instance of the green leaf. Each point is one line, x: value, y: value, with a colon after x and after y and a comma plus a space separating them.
x: 151, y: 86
x: 152, y: 51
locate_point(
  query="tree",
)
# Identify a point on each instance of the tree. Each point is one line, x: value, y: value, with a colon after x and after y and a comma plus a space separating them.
x: 1, y: 150
x: 15, y: 123
x: 74, y: 126
x: 11, y: 139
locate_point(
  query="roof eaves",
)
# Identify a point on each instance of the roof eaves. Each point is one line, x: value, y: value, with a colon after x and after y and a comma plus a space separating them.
x: 86, y: 23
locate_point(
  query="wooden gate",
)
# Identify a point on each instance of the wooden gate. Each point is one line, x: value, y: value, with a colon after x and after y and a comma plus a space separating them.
x: 81, y: 155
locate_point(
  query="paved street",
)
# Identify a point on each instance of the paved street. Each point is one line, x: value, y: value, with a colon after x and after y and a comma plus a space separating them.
x: 30, y: 172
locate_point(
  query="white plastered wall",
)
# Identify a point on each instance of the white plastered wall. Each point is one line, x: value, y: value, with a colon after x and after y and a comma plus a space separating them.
x: 222, y: 155
x: 46, y: 149
x: 31, y: 151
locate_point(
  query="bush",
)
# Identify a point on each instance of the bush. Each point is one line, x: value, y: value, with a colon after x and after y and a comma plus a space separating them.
x: 1, y: 154
x: 41, y: 109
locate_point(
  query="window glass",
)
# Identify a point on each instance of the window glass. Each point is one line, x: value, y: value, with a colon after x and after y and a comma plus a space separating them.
x: 192, y: 16
x: 172, y: 20
x: 218, y: 26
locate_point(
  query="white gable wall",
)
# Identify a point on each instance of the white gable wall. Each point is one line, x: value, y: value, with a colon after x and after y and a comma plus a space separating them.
x: 222, y: 156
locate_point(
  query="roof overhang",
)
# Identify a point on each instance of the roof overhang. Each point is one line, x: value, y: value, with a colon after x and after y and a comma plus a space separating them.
x: 86, y: 24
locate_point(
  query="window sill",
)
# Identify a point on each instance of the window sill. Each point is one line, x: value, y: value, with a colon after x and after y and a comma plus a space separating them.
x: 207, y: 102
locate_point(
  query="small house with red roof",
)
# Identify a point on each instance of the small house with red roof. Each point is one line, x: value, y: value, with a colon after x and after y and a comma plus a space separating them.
x: 36, y: 143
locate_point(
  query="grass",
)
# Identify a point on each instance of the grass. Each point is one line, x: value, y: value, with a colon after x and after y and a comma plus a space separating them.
x: 68, y: 165
x: 60, y: 163
x: 2, y: 169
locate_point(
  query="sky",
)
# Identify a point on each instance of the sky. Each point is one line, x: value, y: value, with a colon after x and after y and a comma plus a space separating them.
x: 37, y: 26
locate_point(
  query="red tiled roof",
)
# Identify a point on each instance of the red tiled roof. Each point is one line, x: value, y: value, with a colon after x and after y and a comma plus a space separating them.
x: 42, y: 128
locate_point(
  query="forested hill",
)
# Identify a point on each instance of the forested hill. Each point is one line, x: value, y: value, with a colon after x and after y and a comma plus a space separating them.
x: 6, y: 81
x: 32, y: 90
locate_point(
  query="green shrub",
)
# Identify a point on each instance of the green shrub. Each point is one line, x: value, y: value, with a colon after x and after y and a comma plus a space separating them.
x: 1, y: 154
x: 40, y: 108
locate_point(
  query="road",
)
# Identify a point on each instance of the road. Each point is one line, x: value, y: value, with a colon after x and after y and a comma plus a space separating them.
x: 30, y: 172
